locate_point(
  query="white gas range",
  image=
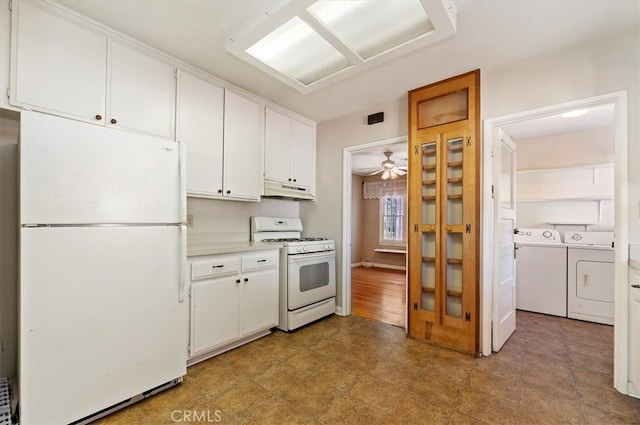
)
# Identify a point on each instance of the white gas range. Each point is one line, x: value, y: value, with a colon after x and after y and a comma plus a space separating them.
x: 307, y: 270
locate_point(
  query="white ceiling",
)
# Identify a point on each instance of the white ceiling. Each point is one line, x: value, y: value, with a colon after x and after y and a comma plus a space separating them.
x: 489, y: 34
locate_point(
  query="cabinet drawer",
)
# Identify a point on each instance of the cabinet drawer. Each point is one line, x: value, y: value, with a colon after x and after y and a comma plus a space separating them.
x: 262, y: 261
x: 214, y: 267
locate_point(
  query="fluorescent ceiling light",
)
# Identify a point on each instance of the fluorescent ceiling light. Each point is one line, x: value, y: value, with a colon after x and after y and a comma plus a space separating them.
x: 372, y: 27
x: 574, y: 113
x: 309, y: 44
x: 296, y: 50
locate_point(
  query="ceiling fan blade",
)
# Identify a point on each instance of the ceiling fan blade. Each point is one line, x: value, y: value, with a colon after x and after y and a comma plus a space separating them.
x: 402, y: 167
x: 399, y: 172
x: 376, y: 172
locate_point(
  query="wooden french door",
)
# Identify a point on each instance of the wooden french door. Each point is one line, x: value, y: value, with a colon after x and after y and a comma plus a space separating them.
x: 443, y: 213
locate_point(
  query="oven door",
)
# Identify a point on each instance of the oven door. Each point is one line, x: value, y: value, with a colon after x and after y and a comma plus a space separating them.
x: 310, y: 278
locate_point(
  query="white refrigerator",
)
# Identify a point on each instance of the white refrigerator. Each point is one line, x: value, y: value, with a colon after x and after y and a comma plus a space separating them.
x: 103, y: 317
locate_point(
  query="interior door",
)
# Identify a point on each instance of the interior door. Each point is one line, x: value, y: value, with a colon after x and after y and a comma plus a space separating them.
x: 504, y: 280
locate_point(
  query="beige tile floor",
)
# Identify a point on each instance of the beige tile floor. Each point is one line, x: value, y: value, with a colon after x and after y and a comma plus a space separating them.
x: 350, y: 370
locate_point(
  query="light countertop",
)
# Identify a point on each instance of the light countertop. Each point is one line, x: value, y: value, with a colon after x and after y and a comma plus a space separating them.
x: 211, y: 248
x: 634, y: 256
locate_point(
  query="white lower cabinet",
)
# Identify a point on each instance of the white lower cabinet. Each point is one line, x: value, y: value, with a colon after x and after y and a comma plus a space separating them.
x: 234, y: 300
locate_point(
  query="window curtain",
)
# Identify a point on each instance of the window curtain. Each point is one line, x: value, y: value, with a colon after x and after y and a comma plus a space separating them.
x: 377, y: 190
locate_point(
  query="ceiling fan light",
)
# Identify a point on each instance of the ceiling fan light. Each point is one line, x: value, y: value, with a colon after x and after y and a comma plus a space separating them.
x: 385, y: 175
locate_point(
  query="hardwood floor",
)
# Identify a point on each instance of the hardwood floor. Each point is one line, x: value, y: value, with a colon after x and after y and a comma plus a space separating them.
x: 379, y: 294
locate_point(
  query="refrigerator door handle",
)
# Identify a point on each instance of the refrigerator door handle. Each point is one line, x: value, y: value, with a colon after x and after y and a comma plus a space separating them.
x: 182, y: 165
x: 183, y: 263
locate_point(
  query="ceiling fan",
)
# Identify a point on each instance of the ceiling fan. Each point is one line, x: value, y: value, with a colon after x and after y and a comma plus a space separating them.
x: 388, y: 168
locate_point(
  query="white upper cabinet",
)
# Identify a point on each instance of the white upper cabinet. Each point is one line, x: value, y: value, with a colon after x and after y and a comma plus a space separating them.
x: 242, y: 147
x: 200, y: 128
x: 303, y: 154
x: 68, y: 67
x: 221, y: 131
x: 59, y: 66
x: 141, y: 92
x: 290, y: 147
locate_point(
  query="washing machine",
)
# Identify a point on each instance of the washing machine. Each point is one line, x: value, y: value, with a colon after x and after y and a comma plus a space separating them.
x: 541, y: 271
x: 590, y: 276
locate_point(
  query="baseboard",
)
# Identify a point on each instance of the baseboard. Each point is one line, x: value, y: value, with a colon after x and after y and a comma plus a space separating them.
x: 379, y: 265
x: 389, y: 266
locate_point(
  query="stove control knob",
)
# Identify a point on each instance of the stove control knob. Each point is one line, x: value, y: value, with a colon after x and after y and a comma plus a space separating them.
x: 304, y: 248
x: 299, y: 249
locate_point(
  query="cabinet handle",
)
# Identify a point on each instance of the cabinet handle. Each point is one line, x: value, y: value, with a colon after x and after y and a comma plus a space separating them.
x: 219, y: 190
x: 295, y: 180
x: 98, y: 117
x: 219, y: 266
x: 246, y: 279
x: 289, y: 178
x: 262, y: 261
x: 237, y: 280
x: 114, y: 121
x: 228, y: 192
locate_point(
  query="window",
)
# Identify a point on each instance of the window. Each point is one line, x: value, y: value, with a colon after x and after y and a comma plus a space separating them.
x: 392, y: 213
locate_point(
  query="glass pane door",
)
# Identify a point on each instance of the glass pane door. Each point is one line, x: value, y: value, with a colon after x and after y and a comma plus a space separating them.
x: 429, y: 214
x: 454, y: 226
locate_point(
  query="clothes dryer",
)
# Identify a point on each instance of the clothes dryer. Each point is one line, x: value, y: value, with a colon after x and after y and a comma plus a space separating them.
x: 590, y: 276
x: 541, y: 271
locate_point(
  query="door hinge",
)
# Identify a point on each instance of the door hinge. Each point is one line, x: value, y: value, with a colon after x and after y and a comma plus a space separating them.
x: 8, y: 92
x: 468, y: 140
x: 415, y: 228
x: 10, y: 5
x: 467, y: 228
x: 492, y: 192
x: 175, y: 73
x: 415, y: 150
x: 415, y: 306
x: 467, y: 317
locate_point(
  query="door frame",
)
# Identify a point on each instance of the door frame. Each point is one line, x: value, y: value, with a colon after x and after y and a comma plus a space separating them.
x: 346, y: 217
x: 621, y: 318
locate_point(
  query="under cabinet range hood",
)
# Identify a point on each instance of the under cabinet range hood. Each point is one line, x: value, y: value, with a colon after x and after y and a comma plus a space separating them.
x: 287, y: 190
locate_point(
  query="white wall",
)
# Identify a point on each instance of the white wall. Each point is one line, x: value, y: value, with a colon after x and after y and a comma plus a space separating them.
x: 593, y: 146
x: 9, y: 129
x: 603, y: 65
x: 228, y: 221
x: 324, y: 216
x: 357, y: 218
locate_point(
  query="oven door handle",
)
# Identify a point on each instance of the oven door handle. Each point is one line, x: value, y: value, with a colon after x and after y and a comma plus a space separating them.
x: 294, y: 258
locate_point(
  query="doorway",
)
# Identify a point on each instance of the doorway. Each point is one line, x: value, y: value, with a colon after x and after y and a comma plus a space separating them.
x: 619, y: 218
x: 374, y: 275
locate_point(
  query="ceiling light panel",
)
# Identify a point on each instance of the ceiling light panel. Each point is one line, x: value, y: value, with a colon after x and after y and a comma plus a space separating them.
x: 296, y: 50
x: 372, y: 27
x: 311, y: 44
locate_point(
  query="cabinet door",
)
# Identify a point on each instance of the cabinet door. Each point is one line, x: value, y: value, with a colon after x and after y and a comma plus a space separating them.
x: 59, y: 65
x: 141, y: 92
x: 259, y: 300
x: 303, y: 154
x: 215, y: 313
x: 242, y: 171
x: 277, y: 164
x: 200, y: 127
